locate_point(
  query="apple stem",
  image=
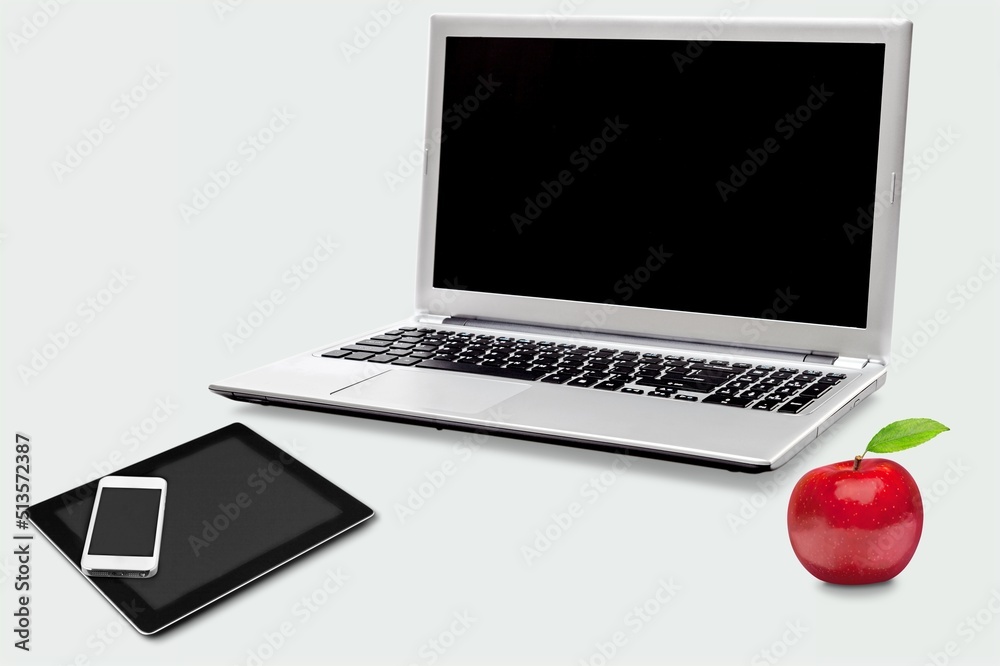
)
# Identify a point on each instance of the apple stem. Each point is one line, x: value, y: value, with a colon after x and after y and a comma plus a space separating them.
x: 857, y: 461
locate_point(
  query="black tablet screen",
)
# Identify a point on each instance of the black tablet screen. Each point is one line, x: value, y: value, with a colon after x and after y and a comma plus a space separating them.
x: 227, y: 505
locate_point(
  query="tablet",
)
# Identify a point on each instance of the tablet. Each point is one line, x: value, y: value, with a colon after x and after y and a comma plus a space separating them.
x: 238, y: 508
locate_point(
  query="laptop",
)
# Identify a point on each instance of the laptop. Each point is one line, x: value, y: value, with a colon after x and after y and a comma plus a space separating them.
x: 665, y: 237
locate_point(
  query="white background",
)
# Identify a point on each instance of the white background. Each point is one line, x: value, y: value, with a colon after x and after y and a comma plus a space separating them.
x: 162, y: 338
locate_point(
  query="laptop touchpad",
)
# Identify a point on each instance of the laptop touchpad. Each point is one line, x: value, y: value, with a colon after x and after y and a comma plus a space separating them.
x: 429, y: 391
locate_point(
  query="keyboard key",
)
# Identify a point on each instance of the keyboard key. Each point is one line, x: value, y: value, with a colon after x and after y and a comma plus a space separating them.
x: 583, y: 382
x: 359, y: 356
x: 632, y: 391
x: 715, y: 368
x: 364, y: 348
x: 689, y: 398
x: 421, y: 354
x: 836, y: 375
x: 742, y: 366
x: 608, y: 386
x: 336, y: 353
x: 686, y: 383
x: 765, y: 405
x: 795, y: 405
x: 661, y: 394
x: 382, y: 358
x: 816, y: 390
x: 374, y: 342
x: 386, y: 337
x: 766, y: 368
x: 406, y: 361
x: 399, y: 352
x: 557, y: 379
x: 506, y: 373
x: 730, y: 401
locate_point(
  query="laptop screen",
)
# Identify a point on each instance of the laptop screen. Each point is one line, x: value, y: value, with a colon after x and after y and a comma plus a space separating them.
x: 727, y: 178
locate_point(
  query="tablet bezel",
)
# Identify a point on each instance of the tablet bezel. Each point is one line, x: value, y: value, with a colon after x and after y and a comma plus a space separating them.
x: 148, y: 620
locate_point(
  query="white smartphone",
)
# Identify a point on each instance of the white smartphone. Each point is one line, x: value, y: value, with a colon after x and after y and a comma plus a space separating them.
x: 123, y: 539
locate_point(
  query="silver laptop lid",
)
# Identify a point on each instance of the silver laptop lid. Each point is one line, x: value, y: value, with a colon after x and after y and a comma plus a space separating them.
x: 606, y: 174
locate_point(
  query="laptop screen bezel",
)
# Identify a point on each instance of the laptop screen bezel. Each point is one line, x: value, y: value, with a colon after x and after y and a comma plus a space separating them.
x: 871, y: 343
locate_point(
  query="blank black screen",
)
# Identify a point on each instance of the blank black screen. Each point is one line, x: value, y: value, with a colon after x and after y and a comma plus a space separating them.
x: 126, y: 522
x: 228, y: 505
x: 720, y: 179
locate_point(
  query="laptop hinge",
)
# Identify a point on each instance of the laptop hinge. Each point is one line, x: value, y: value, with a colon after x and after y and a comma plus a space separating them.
x: 850, y: 362
x: 822, y: 359
x: 431, y: 319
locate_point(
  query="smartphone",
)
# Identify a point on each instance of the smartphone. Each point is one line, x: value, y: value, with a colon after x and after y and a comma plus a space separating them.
x: 123, y: 539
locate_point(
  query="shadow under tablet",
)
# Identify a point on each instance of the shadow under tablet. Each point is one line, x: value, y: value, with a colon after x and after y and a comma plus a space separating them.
x: 238, y: 507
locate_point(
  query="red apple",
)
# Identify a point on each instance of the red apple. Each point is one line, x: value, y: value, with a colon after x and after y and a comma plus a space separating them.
x: 855, y: 522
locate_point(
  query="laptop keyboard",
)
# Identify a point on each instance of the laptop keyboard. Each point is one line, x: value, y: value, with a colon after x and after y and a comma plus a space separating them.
x: 693, y: 379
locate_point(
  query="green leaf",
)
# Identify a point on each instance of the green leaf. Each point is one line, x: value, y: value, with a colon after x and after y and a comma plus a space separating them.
x: 905, y: 434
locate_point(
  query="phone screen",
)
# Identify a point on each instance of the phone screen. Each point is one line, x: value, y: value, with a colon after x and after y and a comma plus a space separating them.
x: 125, y: 524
